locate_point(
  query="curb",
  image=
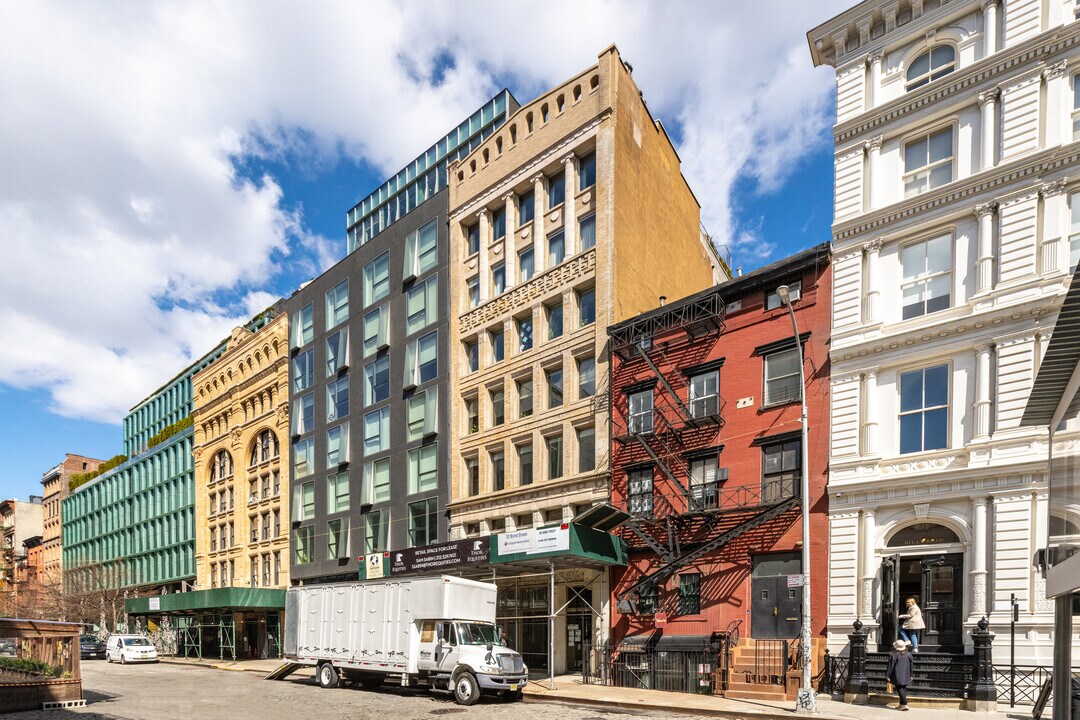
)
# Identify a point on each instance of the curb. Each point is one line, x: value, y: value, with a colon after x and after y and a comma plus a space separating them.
x: 674, y: 709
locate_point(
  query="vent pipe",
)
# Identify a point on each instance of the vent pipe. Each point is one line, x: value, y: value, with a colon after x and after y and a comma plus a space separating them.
x: 663, y: 300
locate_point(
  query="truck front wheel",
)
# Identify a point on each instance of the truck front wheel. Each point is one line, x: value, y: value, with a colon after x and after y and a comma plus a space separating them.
x: 466, y: 689
x: 327, y: 676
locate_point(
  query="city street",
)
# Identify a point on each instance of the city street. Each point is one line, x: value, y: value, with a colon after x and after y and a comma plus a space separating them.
x: 167, y: 692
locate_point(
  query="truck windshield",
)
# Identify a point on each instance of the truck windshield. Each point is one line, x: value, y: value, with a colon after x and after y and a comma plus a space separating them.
x: 476, y: 634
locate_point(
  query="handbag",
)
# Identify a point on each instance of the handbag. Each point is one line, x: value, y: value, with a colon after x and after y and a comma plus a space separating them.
x: 888, y: 686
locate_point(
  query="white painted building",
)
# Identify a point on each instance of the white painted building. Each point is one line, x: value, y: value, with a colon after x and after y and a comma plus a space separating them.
x: 957, y: 196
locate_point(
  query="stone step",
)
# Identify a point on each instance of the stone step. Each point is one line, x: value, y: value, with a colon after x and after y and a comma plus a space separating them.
x: 742, y: 694
x: 938, y: 703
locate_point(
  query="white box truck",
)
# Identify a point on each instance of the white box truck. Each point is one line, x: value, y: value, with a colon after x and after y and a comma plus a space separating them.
x: 437, y: 632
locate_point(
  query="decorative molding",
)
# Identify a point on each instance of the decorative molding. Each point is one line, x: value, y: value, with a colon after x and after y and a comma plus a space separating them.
x: 1022, y: 336
x: 872, y: 245
x: 942, y: 462
x: 990, y: 96
x: 978, y: 592
x: 1056, y: 70
x: 990, y: 3
x: 1024, y: 79
x: 875, y: 56
x: 1054, y: 187
x: 986, y: 209
x: 849, y: 153
x: 845, y: 378
x: 922, y: 510
x: 874, y: 143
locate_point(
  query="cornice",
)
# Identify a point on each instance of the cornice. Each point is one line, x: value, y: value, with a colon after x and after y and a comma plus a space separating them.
x: 230, y: 394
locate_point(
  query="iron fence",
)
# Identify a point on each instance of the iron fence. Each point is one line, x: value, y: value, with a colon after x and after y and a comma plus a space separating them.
x: 678, y: 669
x: 1020, y: 684
x: 835, y: 675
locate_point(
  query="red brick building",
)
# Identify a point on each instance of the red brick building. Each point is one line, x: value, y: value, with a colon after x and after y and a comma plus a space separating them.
x: 706, y: 459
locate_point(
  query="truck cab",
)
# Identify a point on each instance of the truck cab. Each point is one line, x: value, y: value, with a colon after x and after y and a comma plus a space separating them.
x: 467, y: 658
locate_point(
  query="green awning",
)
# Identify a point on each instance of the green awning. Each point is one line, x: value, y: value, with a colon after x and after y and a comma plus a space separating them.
x: 215, y: 599
x: 587, y: 546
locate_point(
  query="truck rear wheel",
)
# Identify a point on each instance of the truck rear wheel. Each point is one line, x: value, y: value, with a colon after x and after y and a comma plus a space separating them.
x: 466, y: 689
x: 327, y: 676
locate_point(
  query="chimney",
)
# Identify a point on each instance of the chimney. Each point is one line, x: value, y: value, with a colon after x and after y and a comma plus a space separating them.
x: 738, y: 271
x: 663, y: 300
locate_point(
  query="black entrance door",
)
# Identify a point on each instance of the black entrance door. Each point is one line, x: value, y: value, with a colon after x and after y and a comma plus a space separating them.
x: 937, y: 584
x: 776, y: 609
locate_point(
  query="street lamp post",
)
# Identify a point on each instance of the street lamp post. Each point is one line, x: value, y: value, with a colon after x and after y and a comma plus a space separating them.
x: 807, y: 700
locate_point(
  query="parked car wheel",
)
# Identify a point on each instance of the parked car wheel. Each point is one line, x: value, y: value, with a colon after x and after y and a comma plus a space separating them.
x: 327, y: 676
x: 108, y: 658
x: 123, y: 659
x: 466, y: 689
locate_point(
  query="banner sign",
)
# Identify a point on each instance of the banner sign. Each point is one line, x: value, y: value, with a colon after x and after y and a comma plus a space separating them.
x: 432, y: 559
x: 374, y: 567
x: 534, y: 541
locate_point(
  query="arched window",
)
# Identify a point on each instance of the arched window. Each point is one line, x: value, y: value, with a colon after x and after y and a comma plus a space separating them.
x: 923, y: 534
x: 264, y: 448
x: 937, y: 62
x: 221, y: 466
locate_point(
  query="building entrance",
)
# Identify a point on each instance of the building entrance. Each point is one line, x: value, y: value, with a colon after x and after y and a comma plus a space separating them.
x: 579, y: 622
x: 776, y: 608
x: 937, y: 584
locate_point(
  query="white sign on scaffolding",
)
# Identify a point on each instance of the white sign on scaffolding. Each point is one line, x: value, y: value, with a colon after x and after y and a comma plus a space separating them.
x: 534, y: 541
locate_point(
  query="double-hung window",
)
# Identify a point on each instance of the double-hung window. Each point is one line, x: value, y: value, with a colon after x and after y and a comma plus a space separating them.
x: 924, y: 409
x: 422, y: 305
x: 554, y: 320
x: 927, y: 282
x: 690, y: 594
x: 555, y: 387
x: 422, y: 412
x: 424, y: 469
x: 772, y: 299
x: 525, y: 464
x: 782, y: 377
x: 525, y: 398
x: 337, y: 304
x: 422, y: 359
x: 377, y: 381
x: 377, y: 431
x: 472, y: 415
x: 555, y: 459
x: 498, y: 347
x: 498, y: 224
x: 928, y: 162
x: 472, y: 291
x: 525, y: 333
x: 586, y: 439
x: 498, y: 410
x: 377, y: 279
x: 472, y: 355
x: 337, y: 399
x: 472, y: 472
x: 587, y: 307
x: 640, y: 407
x: 640, y: 492
x: 935, y: 63
x: 705, y: 394
x: 780, y: 470
x: 704, y: 485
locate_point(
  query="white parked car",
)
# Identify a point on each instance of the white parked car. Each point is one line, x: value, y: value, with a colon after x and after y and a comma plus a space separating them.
x: 130, y: 648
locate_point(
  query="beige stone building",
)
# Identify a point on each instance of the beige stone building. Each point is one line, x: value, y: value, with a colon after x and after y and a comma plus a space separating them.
x: 54, y: 489
x: 573, y: 215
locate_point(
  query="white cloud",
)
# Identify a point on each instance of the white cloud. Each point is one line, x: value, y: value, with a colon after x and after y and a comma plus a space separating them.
x: 125, y: 220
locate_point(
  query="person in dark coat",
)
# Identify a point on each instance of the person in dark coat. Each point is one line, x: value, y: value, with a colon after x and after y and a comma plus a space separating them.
x: 901, y: 664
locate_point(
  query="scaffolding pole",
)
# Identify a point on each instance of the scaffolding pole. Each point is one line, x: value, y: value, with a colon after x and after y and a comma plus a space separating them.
x: 551, y: 625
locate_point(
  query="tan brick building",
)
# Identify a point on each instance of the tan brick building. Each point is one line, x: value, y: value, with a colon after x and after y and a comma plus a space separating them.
x: 241, y: 423
x: 571, y: 216
x: 54, y: 489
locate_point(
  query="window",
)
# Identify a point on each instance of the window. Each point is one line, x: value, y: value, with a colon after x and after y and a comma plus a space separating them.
x: 337, y: 445
x: 472, y: 289
x: 928, y: 162
x: 337, y: 493
x: 337, y: 351
x: 472, y: 471
x: 587, y: 231
x: 304, y: 414
x: 525, y: 398
x: 422, y: 305
x: 704, y: 484
x: 472, y: 356
x: 924, y: 409
x: 221, y: 466
x: 640, y: 405
x: 782, y: 377
x: 555, y: 389
x: 772, y: 299
x: 424, y: 469
x: 303, y: 370
x: 337, y: 399
x: 935, y: 63
x: 421, y: 413
x: 525, y: 209
x: 1076, y: 106
x: 640, y: 492
x: 556, y: 190
x: 780, y: 470
x: 377, y: 279
x: 421, y: 250
x: 376, y: 527
x: 554, y: 452
x: 498, y: 470
x: 1074, y: 231
x: 586, y: 371
x: 556, y: 248
x: 472, y: 239
x: 377, y: 381
x: 525, y: 334
x: 586, y: 439
x: 497, y: 410
x: 337, y: 540
x: 377, y: 481
x: 554, y: 320
x: 472, y: 413
x: 498, y: 351
x: 303, y: 501
x: 303, y: 539
x: 525, y: 464
x: 423, y: 522
x: 375, y: 323
x: 303, y: 326
x: 586, y: 171
x: 705, y: 394
x: 587, y: 307
x: 498, y: 279
x: 498, y: 224
x: 927, y: 283
x: 377, y: 431
x: 526, y: 266
x: 690, y: 594
x: 648, y: 599
x: 422, y: 359
x: 337, y: 304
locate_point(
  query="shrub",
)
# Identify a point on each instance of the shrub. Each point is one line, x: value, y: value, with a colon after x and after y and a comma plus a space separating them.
x: 169, y: 431
x: 82, y: 478
x: 30, y: 667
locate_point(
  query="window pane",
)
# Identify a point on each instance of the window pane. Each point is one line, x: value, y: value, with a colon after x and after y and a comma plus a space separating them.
x: 303, y: 370
x: 337, y: 304
x: 337, y: 399
x: 913, y: 258
x: 586, y: 449
x: 377, y: 279
x: 428, y: 357
x: 587, y: 307
x: 525, y: 398
x: 472, y: 356
x: 556, y: 249
x: 586, y: 377
x: 556, y: 190
x: 940, y: 145
x: 936, y: 381
x: 554, y: 317
x: 524, y: 328
x: 498, y: 279
x: 587, y: 231
x: 587, y: 171
x: 337, y: 351
x: 919, y: 66
x: 525, y: 464
x: 554, y: 450
x: 497, y: 350
x: 377, y: 381
x: 911, y: 433
x: 911, y: 391
x: 337, y: 445
x: 376, y: 431
x: 935, y: 429
x: 915, y: 154
x: 525, y: 264
x: 498, y: 224
x: 428, y: 247
x: 375, y: 330
x: 938, y: 293
x: 525, y: 208
x: 555, y: 388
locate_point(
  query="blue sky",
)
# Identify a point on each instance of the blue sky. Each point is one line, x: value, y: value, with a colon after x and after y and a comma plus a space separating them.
x: 172, y: 169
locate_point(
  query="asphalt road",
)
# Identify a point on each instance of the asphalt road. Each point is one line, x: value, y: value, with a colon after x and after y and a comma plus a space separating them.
x: 178, y: 692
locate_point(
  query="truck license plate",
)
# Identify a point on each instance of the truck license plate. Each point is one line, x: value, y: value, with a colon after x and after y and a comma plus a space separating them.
x: 513, y: 688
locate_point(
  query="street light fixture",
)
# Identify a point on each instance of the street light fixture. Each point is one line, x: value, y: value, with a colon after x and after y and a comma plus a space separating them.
x: 806, y: 701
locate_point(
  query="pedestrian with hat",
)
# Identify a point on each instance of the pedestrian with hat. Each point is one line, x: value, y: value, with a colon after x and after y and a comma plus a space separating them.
x: 899, y: 671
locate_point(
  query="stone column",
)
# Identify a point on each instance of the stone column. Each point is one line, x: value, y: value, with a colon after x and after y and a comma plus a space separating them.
x: 569, y: 205
x: 485, y: 240
x: 873, y: 151
x: 871, y: 310
x: 870, y: 423
x: 990, y: 27
x: 869, y: 567
x: 874, y: 60
x: 984, y: 279
x: 510, y: 242
x: 988, y: 106
x: 978, y: 559
x: 982, y: 391
x: 539, y: 206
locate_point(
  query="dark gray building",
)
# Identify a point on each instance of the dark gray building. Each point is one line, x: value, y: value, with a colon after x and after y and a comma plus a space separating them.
x: 368, y: 388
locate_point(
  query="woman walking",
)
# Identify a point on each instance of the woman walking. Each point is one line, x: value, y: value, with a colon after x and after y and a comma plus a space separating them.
x: 901, y: 664
x: 913, y: 623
